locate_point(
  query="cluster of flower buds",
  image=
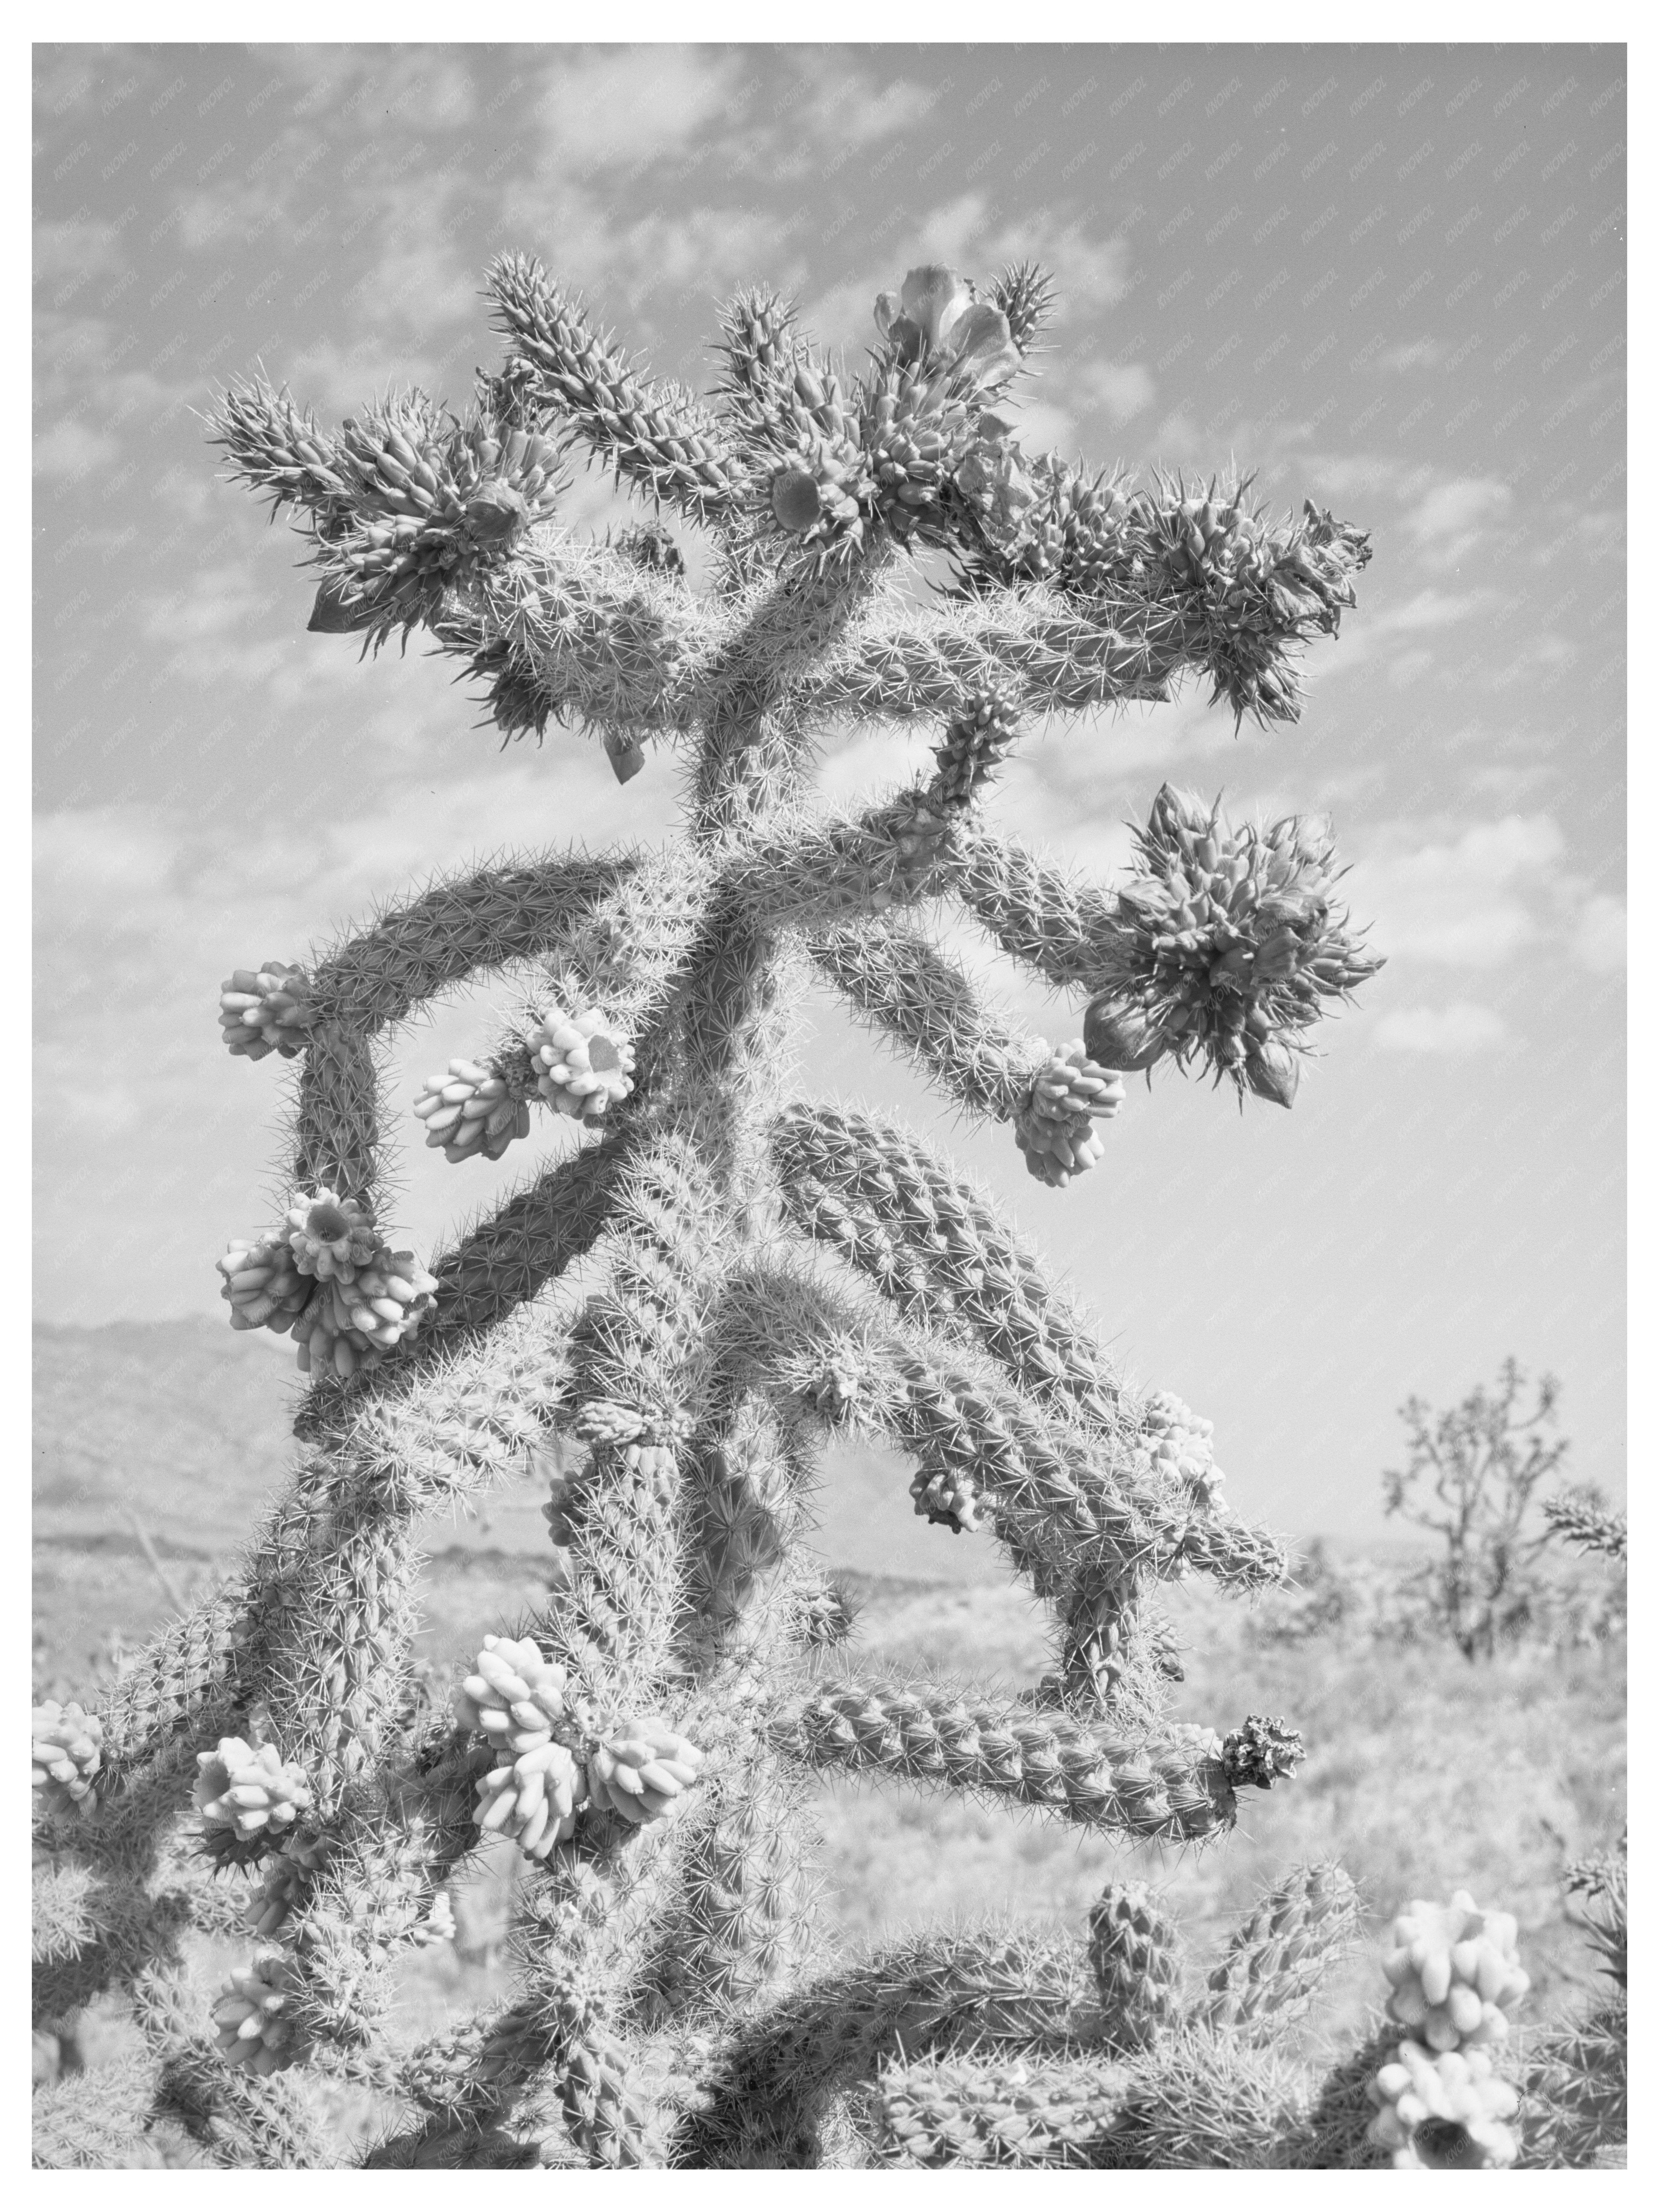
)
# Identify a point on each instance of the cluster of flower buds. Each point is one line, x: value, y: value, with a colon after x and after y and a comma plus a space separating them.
x: 471, y: 1111
x: 430, y: 502
x: 266, y: 1009
x: 555, y: 1755
x: 1229, y: 945
x: 581, y: 1061
x: 251, y: 1793
x: 1055, y: 1127
x: 66, y: 1750
x: 976, y: 744
x: 325, y: 1277
x: 913, y: 447
x: 251, y: 2016
x: 1176, y: 1445
x: 949, y: 1499
x: 1452, y: 1968
x: 1443, y: 2110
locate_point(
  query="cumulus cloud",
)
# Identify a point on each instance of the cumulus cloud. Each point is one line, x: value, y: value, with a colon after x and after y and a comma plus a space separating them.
x: 1600, y: 934
x: 1470, y: 902
x: 1448, y: 1032
x: 1417, y: 353
x: 1122, y: 390
x: 1449, y: 521
x: 71, y: 449
x: 618, y: 107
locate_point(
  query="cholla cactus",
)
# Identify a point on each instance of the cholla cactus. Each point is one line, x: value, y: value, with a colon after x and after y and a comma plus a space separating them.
x: 646, y: 1737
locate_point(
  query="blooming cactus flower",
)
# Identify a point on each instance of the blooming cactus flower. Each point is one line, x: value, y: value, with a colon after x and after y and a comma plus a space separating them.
x: 1452, y: 1967
x: 330, y: 1235
x: 935, y: 313
x: 1443, y: 2111
x: 582, y: 1063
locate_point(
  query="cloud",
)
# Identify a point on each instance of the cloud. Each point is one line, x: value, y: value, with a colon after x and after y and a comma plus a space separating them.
x: 1599, y: 938
x: 1420, y: 353
x: 70, y: 449
x: 621, y: 108
x: 1448, y: 1032
x: 1121, y: 389
x: 1466, y: 903
x: 1449, y: 521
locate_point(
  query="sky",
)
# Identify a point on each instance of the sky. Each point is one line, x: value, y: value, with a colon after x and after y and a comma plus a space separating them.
x: 1390, y: 279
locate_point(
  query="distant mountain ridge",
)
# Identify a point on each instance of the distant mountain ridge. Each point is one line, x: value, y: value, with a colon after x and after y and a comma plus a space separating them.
x: 187, y: 1423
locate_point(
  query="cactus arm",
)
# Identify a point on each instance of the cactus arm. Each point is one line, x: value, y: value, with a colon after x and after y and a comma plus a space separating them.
x: 331, y: 1596
x: 1050, y: 921
x: 570, y: 632
x: 905, y: 986
x: 166, y: 1690
x: 277, y: 450
x: 808, y: 872
x: 998, y: 2114
x: 868, y: 1188
x: 896, y: 666
x: 486, y: 918
x: 1201, y: 586
x: 765, y: 2099
x: 758, y: 347
x: 379, y: 977
x: 528, y: 1242
x: 1277, y: 1957
x: 1160, y: 1788
x: 661, y: 441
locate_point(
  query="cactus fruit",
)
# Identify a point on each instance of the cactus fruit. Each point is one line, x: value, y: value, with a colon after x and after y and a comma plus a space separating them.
x: 532, y: 1798
x: 471, y: 1112
x: 581, y: 1066
x: 1443, y: 2110
x: 1055, y: 1129
x: 66, y: 1754
x: 251, y: 1793
x: 515, y: 1695
x: 1452, y: 1968
x: 252, y: 2017
x: 642, y: 1769
x: 266, y: 1009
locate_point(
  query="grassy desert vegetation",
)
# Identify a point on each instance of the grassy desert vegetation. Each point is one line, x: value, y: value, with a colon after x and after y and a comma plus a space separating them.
x: 1425, y: 1772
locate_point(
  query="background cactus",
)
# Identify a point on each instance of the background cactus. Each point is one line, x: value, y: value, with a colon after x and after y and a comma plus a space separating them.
x: 671, y: 2007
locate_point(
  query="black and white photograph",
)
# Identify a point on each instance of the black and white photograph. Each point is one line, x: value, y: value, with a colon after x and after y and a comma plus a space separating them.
x: 829, y: 1345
